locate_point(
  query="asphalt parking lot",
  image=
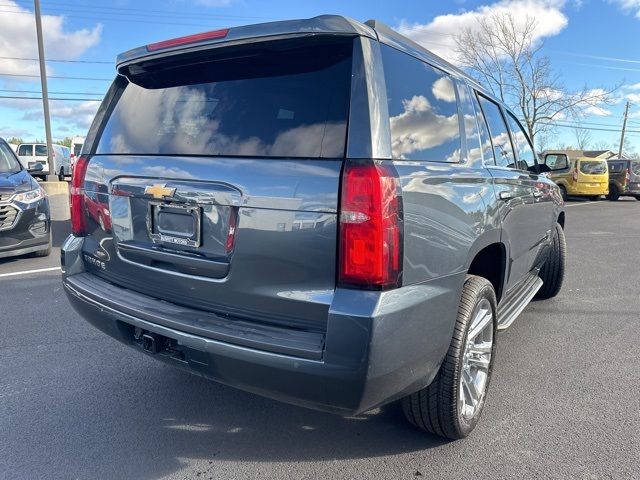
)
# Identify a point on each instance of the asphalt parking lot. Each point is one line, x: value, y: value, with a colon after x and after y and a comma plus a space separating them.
x: 564, y: 398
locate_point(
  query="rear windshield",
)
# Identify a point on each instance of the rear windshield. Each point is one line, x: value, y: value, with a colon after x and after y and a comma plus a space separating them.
x: 592, y: 167
x: 268, y: 103
x: 635, y: 168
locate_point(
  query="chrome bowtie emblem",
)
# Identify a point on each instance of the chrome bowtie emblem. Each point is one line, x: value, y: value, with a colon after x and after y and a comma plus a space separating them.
x: 159, y: 190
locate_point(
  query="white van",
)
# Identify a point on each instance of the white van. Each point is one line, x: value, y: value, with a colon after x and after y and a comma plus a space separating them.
x: 31, y: 153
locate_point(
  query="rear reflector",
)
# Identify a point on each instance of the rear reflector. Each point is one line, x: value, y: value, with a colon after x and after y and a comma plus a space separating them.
x: 76, y: 197
x: 370, y: 226
x: 198, y: 37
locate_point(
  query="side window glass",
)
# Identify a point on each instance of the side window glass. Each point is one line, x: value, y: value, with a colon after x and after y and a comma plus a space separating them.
x: 483, y: 131
x: 41, y: 151
x: 25, y: 150
x: 423, y: 109
x: 502, y: 150
x: 472, y: 135
x: 526, y: 156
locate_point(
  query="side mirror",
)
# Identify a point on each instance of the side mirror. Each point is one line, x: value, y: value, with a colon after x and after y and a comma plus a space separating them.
x: 36, y: 168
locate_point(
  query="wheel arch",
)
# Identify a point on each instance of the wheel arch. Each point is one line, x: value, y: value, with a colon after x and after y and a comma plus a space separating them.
x: 484, y: 260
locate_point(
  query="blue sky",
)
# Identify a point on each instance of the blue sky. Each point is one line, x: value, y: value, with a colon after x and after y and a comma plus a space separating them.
x: 590, y: 42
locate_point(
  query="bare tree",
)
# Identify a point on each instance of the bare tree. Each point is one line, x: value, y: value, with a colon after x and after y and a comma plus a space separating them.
x: 503, y: 54
x: 583, y: 138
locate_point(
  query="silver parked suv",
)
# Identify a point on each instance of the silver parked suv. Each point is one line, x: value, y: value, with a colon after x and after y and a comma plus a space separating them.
x: 319, y: 211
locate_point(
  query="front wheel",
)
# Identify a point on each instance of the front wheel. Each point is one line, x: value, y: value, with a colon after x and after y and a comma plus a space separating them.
x: 451, y: 405
x: 552, y: 272
x: 614, y: 193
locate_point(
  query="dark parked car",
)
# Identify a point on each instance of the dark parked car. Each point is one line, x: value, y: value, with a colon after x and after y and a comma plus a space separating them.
x: 624, y: 179
x: 25, y: 225
x: 319, y: 211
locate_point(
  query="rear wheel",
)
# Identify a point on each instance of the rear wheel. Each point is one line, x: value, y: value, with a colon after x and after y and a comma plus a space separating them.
x: 614, y: 193
x: 61, y: 174
x: 451, y: 405
x: 563, y: 193
x: 552, y: 272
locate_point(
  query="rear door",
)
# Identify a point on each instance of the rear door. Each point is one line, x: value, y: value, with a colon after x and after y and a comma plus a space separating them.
x: 593, y: 176
x: 25, y: 155
x: 517, y: 189
x: 214, y: 180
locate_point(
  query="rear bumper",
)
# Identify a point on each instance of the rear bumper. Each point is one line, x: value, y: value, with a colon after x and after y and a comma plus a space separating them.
x: 378, y: 346
x: 584, y: 190
x: 30, y: 232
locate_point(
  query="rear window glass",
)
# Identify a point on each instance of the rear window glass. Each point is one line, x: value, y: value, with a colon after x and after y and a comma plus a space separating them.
x: 423, y: 109
x: 41, y: 150
x: 616, y: 167
x: 271, y: 103
x: 635, y: 168
x: 25, y: 150
x: 590, y: 167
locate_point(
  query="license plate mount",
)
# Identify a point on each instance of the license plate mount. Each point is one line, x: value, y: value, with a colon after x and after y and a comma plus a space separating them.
x: 172, y: 224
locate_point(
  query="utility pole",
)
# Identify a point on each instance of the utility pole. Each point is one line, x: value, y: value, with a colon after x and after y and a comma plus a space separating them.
x: 45, y: 92
x: 624, y: 127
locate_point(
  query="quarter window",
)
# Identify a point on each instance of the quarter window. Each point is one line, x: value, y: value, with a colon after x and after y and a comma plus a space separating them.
x: 526, y: 156
x: 502, y: 149
x: 41, y: 150
x: 423, y: 109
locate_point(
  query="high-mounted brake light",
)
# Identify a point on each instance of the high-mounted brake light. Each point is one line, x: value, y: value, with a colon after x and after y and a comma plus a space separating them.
x: 76, y: 197
x: 370, y: 226
x: 198, y: 37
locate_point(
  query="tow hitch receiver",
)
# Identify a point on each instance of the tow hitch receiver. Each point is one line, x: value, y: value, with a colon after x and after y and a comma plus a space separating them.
x: 151, y: 342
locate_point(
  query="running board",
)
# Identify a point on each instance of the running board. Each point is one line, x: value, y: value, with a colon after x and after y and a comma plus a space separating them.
x: 517, y: 300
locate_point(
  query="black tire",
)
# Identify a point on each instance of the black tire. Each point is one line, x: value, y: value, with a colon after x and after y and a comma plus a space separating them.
x: 563, y: 193
x: 436, y: 408
x: 552, y: 272
x: 614, y: 193
x: 61, y: 174
x: 594, y: 198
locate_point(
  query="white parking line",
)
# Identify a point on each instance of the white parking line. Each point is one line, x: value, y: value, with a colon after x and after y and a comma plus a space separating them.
x: 27, y: 272
x: 585, y: 203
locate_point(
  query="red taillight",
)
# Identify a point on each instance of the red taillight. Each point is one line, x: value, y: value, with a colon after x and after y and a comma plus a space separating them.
x: 370, y: 226
x: 198, y: 37
x: 76, y: 197
x: 231, y: 235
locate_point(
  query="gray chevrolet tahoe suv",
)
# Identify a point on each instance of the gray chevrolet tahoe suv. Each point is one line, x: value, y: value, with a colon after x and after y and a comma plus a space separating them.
x: 320, y: 211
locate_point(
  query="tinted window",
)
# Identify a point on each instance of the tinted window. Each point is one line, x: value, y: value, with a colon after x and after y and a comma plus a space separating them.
x: 472, y: 135
x: 502, y: 150
x: 485, y: 139
x: 423, y: 110
x: 526, y: 156
x: 635, y: 168
x: 8, y: 162
x: 556, y: 162
x: 593, y: 167
x: 616, y: 167
x: 41, y: 150
x: 274, y: 103
x: 25, y: 150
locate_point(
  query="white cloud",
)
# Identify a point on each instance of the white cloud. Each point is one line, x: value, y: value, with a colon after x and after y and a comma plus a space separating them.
x: 597, y: 111
x: 75, y: 116
x: 634, y: 86
x: 18, y: 39
x: 628, y: 6
x: 634, y: 97
x: 439, y: 34
x: 443, y: 90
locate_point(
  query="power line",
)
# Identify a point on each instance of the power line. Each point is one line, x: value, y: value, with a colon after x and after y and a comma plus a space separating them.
x: 56, y: 77
x: 142, y: 10
x: 55, y: 93
x: 553, y: 124
x: 59, y: 61
x: 15, y: 97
